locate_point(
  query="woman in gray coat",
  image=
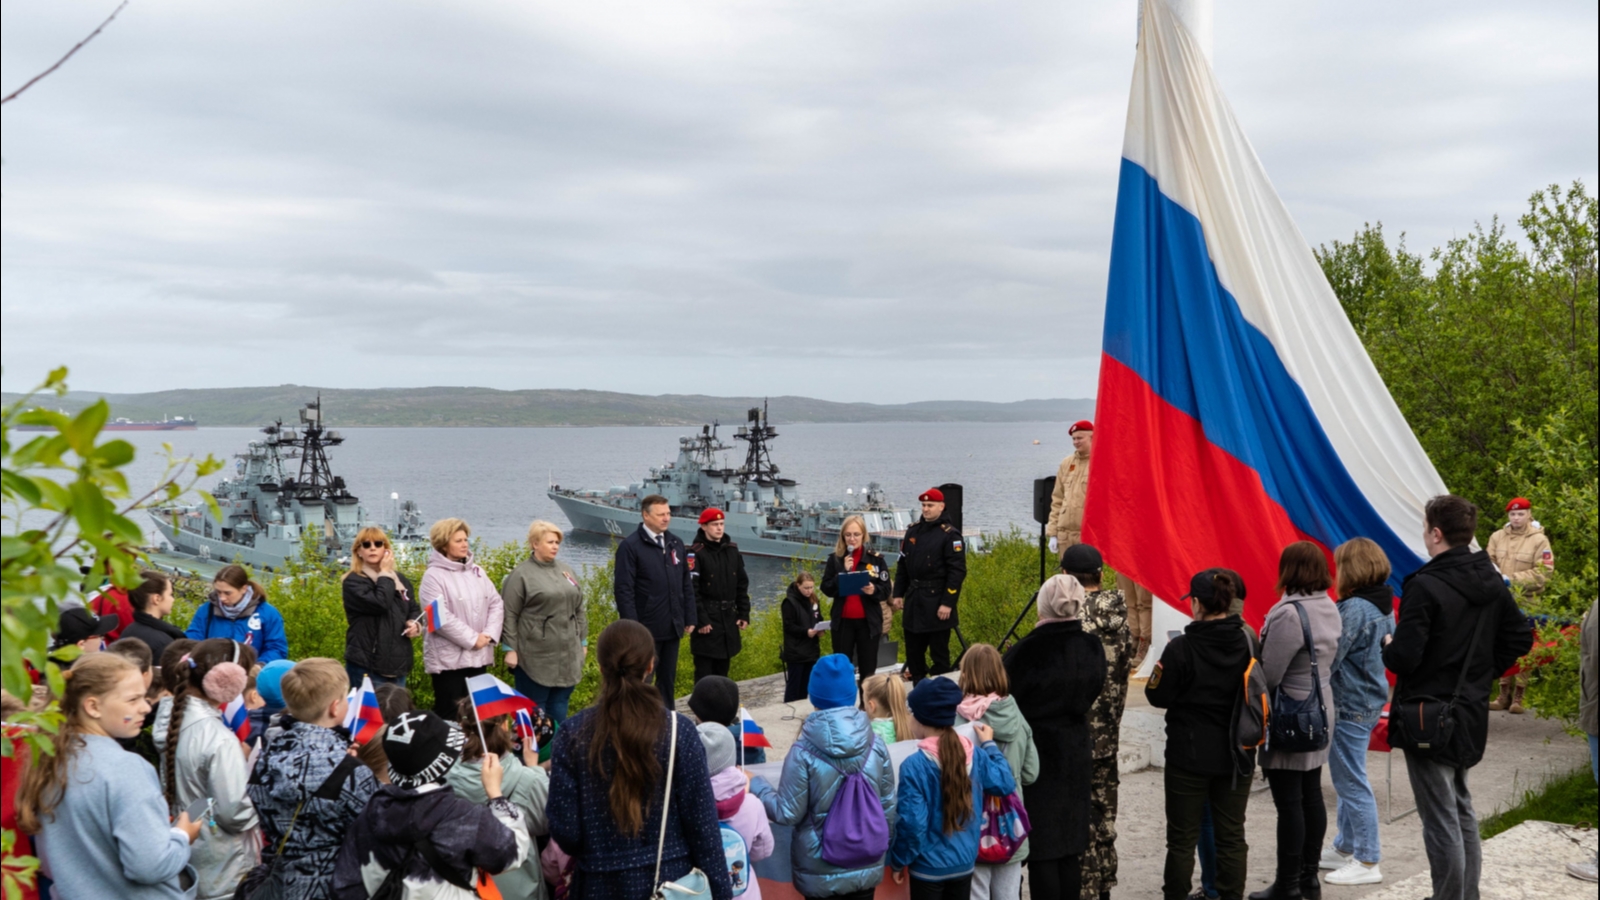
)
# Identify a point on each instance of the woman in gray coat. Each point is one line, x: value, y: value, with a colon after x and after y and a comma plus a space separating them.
x: 1286, y: 661
x: 546, y: 625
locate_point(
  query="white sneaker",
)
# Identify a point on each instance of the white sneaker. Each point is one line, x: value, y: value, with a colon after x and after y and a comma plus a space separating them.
x: 1584, y: 871
x: 1354, y: 872
x: 1333, y: 859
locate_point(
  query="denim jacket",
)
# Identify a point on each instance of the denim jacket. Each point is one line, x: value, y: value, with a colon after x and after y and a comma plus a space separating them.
x: 1360, y: 685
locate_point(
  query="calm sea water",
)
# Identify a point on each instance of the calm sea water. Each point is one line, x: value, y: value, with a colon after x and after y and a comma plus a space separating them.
x: 495, y: 478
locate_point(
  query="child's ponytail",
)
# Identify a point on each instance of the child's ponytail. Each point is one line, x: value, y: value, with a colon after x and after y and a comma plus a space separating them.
x: 955, y: 785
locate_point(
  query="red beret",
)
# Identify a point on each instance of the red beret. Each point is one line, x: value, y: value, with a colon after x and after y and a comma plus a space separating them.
x: 1080, y: 425
x: 1518, y: 503
x: 712, y: 514
x: 932, y: 495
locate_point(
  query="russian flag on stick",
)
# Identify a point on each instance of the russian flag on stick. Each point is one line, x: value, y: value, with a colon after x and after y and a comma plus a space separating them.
x: 524, y: 723
x: 492, y: 697
x: 237, y: 718
x: 750, y: 732
x: 364, y: 720
x: 1232, y: 386
x: 433, y: 615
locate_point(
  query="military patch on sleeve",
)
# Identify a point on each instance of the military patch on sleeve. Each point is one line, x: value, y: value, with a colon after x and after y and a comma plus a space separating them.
x: 1155, y: 677
x: 957, y: 545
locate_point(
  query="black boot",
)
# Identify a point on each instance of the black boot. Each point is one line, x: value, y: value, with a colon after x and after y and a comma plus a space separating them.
x: 1310, y: 883
x: 1280, y: 890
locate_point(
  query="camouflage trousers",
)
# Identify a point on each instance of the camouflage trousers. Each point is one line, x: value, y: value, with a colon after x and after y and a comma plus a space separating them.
x: 1099, y: 864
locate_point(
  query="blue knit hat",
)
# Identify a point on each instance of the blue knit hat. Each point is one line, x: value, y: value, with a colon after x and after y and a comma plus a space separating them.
x: 833, y: 682
x: 933, y: 702
x: 269, y: 682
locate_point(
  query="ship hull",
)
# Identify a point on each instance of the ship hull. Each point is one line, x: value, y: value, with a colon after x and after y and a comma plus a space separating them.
x: 209, y: 549
x: 599, y: 518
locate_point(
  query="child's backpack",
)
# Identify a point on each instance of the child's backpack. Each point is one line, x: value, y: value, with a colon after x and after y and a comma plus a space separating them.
x: 733, y: 850
x: 856, y: 833
x: 1253, y: 710
x: 1005, y: 826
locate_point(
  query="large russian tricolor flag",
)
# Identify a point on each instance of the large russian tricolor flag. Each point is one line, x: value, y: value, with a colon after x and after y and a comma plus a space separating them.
x: 1237, y: 410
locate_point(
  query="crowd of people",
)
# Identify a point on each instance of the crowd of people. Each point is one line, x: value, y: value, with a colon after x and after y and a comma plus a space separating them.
x: 206, y: 762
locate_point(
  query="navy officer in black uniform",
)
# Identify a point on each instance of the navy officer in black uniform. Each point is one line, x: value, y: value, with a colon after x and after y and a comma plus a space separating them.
x: 927, y: 584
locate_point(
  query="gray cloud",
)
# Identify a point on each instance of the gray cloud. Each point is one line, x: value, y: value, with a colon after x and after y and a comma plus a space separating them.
x: 894, y: 201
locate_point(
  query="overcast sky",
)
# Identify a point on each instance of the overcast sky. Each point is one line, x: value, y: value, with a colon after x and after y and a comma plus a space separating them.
x: 888, y: 200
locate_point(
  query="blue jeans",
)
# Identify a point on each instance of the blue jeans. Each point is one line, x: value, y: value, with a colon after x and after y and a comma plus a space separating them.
x: 1208, y: 853
x: 553, y: 700
x: 1357, y: 818
x: 356, y: 672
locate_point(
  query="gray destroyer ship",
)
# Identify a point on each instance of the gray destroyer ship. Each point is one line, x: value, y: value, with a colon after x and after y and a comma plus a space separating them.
x: 765, y: 514
x: 268, y: 508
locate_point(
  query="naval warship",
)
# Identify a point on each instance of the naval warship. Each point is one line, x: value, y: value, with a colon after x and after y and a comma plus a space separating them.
x: 267, y: 509
x: 765, y: 515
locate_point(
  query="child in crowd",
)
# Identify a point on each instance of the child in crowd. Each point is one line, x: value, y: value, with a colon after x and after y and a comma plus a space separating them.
x: 523, y: 783
x: 264, y: 698
x: 306, y: 787
x: 987, y: 699
x: 135, y: 651
x: 835, y: 739
x: 77, y: 627
x: 202, y: 760
x: 737, y: 808
x: 802, y: 646
x: 941, y: 796
x: 11, y: 767
x: 416, y: 831
x: 392, y: 701
x: 884, y: 697
x: 101, y: 827
x: 716, y: 699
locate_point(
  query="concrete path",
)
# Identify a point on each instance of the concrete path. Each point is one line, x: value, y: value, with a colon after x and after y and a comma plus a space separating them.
x: 1523, y: 751
x: 1527, y: 862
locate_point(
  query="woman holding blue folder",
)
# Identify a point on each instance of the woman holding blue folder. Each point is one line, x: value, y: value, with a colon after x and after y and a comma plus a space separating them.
x: 858, y: 581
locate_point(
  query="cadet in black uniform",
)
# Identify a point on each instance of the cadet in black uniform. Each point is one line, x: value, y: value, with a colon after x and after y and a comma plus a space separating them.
x: 927, y: 584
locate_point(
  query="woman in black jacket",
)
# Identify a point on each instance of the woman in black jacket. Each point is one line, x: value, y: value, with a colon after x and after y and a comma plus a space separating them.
x: 721, y: 596
x: 801, y: 646
x: 381, y: 608
x: 1199, y: 681
x: 152, y: 602
x: 857, y: 618
x: 1056, y: 673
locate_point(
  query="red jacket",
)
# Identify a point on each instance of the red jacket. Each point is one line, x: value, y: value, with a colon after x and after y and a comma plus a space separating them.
x: 113, y: 601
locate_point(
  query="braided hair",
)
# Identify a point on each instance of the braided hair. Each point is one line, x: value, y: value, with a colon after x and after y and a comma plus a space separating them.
x: 194, y: 666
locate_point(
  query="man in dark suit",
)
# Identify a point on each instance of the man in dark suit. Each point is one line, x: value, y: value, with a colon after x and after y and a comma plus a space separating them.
x: 652, y: 587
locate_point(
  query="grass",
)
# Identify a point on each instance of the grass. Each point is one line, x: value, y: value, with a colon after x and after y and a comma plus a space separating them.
x: 1570, y: 799
x: 999, y: 582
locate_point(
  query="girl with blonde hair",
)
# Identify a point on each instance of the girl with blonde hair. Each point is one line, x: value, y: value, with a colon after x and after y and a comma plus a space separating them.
x: 884, y: 699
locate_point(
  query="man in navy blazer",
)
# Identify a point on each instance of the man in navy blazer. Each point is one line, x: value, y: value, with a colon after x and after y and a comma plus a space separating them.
x: 652, y: 587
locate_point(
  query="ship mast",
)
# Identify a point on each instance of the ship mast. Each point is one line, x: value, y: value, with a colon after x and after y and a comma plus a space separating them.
x: 758, y: 465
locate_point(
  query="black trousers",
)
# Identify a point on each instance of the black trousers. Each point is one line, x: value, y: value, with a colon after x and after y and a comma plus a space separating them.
x: 935, y: 644
x: 1187, y: 793
x: 853, y: 638
x: 1055, y: 879
x: 856, y: 895
x: 449, y: 687
x: 954, y: 889
x: 667, y: 670
x: 797, y: 680
x: 705, y: 665
x: 1302, y: 820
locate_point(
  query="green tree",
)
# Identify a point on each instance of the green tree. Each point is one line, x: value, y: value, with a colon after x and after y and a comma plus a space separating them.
x: 66, y: 511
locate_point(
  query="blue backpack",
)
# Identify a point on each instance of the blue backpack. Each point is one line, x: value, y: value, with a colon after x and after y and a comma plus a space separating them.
x: 733, y: 850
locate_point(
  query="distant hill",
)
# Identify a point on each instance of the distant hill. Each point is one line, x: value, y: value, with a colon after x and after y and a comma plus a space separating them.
x: 468, y: 406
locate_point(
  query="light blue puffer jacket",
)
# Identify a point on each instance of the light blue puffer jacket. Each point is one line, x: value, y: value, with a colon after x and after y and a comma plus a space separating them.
x: 832, y: 742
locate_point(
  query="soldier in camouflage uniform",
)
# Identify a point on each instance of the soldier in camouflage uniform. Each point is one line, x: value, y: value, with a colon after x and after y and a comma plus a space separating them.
x: 1105, y: 614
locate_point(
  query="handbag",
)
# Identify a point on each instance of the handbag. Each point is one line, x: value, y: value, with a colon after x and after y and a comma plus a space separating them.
x: 1299, y: 726
x: 695, y: 885
x: 1428, y: 724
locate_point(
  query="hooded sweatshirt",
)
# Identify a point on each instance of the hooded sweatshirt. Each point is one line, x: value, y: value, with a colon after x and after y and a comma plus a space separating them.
x: 465, y: 836
x: 1360, y: 686
x: 744, y: 815
x: 920, y: 840
x: 1440, y: 607
x: 470, y: 606
x: 1014, y: 737
x: 1200, y: 674
x: 256, y: 623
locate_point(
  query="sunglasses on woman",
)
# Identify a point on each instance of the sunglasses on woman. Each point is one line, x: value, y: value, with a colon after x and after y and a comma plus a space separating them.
x: 374, y: 545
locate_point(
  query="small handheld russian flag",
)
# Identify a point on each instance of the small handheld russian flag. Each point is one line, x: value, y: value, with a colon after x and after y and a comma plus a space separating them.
x: 433, y: 615
x: 492, y: 697
x: 524, y: 722
x: 364, y: 720
x: 237, y: 718
x: 751, y: 732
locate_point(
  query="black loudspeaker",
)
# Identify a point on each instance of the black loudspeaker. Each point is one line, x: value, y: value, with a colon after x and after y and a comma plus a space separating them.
x: 1042, y: 489
x: 952, y: 503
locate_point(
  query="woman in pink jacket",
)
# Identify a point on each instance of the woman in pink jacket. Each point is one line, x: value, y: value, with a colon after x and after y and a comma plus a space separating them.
x: 470, y: 615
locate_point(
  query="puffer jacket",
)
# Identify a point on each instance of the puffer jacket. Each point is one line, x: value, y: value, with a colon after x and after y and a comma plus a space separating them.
x: 1360, y: 687
x: 471, y: 607
x: 211, y: 764
x: 833, y: 742
x: 259, y: 626
x: 746, y: 817
x: 1014, y: 736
